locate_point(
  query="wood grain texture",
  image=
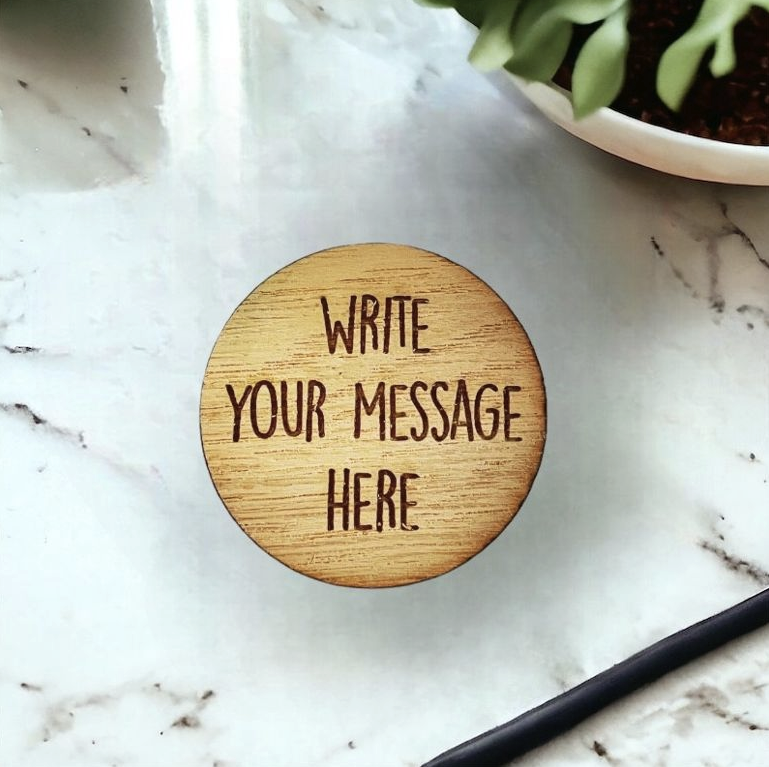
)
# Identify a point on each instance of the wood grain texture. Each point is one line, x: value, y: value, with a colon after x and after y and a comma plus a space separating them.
x: 457, y: 407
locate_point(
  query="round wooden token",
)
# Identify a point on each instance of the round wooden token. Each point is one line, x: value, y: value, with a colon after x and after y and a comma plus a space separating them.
x: 373, y: 415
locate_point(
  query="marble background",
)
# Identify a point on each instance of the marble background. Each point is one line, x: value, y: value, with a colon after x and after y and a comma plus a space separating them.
x: 156, y: 163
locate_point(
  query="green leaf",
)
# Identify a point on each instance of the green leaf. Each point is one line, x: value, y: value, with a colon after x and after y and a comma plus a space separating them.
x: 713, y: 26
x: 531, y: 38
x: 724, y: 58
x: 542, y: 33
x: 599, y: 71
x: 494, y: 45
x: 541, y: 62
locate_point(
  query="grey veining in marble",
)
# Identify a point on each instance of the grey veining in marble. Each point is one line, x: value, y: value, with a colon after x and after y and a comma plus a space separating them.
x: 79, y: 89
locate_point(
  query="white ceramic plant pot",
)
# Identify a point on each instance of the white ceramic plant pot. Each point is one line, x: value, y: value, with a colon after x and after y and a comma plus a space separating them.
x: 649, y: 145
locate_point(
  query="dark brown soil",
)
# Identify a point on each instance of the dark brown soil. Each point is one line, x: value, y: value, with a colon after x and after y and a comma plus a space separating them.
x: 732, y: 108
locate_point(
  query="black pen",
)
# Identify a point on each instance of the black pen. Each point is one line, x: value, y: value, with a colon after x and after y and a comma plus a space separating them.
x: 539, y: 725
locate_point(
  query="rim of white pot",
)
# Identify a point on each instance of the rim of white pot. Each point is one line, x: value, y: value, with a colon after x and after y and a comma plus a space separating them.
x: 649, y: 145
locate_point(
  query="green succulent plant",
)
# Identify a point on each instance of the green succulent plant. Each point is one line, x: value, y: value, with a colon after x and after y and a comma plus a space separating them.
x: 530, y: 38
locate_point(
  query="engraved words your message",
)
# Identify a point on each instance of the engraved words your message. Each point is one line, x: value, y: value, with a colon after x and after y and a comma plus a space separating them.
x: 400, y: 411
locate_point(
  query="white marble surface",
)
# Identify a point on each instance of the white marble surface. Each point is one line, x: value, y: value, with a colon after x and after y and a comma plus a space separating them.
x: 138, y: 626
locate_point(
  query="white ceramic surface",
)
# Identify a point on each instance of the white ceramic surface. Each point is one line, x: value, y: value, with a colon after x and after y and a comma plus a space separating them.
x: 649, y: 145
x: 139, y: 627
